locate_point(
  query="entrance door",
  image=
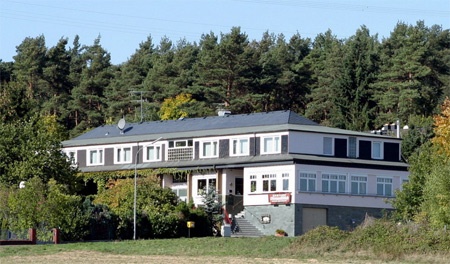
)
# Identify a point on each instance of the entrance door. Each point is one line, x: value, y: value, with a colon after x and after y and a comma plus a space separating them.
x: 239, y: 183
x: 313, y: 217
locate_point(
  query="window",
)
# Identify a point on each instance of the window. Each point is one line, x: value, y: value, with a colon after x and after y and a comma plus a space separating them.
x: 352, y: 147
x: 285, y: 177
x: 333, y: 183
x: 269, y: 182
x: 359, y: 184
x: 384, y: 186
x: 307, y: 182
x: 252, y: 183
x: 181, y: 193
x: 180, y: 143
x: 209, y: 149
x: 239, y: 147
x: 327, y: 146
x: 95, y: 157
x: 204, y: 185
x: 271, y: 145
x: 377, y: 150
x: 123, y: 155
x: 152, y: 153
x: 72, y: 157
x: 180, y: 150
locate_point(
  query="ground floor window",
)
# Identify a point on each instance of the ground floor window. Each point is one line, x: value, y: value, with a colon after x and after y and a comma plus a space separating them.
x: 359, y: 185
x: 307, y: 182
x: 384, y: 186
x: 333, y: 183
x: 203, y: 185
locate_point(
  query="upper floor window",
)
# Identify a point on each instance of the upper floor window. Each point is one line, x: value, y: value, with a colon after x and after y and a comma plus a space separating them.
x: 123, y: 155
x: 72, y: 156
x: 359, y: 184
x: 307, y: 182
x: 152, y: 153
x: 180, y: 150
x: 377, y: 150
x: 384, y: 186
x: 239, y: 147
x: 209, y: 149
x: 180, y: 143
x: 271, y: 145
x: 95, y: 157
x: 333, y: 183
x: 327, y: 146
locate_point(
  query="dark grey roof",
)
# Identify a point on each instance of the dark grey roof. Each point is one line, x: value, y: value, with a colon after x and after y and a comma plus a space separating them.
x: 206, y: 126
x: 199, y: 124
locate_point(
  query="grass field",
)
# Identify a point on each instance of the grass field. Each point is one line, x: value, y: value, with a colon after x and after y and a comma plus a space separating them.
x: 193, y: 250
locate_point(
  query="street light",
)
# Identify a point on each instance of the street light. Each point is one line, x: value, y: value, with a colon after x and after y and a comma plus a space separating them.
x: 135, y: 184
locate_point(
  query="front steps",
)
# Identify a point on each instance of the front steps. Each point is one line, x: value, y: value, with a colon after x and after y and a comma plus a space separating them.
x: 243, y: 228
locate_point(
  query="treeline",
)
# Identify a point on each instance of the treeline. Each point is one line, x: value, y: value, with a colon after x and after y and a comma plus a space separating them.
x: 357, y: 83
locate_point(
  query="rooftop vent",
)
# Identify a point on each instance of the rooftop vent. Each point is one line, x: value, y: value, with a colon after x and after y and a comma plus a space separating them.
x: 224, y: 112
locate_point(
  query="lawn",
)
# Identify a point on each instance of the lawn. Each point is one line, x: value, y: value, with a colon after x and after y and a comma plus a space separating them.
x: 185, y: 250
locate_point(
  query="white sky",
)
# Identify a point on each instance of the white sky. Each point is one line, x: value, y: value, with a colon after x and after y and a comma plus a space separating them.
x: 123, y: 24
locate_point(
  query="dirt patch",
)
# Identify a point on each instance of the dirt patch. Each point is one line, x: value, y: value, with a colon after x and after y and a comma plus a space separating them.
x: 97, y: 257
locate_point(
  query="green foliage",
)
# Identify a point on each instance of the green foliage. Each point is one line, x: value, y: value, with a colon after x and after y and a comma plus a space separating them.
x: 213, y: 207
x: 44, y: 206
x: 31, y: 148
x: 157, y: 211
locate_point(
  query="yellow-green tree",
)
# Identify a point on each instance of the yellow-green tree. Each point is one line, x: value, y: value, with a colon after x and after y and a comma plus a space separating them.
x: 174, y: 108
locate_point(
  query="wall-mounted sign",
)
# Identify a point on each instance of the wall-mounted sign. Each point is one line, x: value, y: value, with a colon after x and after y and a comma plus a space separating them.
x: 279, y: 198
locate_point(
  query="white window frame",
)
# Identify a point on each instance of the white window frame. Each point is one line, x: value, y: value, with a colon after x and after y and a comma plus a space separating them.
x: 253, y: 180
x: 215, y: 149
x: 334, y: 178
x: 328, y: 144
x: 271, y: 180
x: 360, y: 181
x: 158, y: 148
x: 176, y: 190
x: 101, y: 159
x: 119, y: 158
x: 311, y: 181
x: 239, y: 150
x: 208, y: 182
x: 380, y: 147
x: 385, y: 182
x: 275, y: 146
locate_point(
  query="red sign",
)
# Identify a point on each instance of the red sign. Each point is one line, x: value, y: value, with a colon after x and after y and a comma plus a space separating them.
x: 279, y: 198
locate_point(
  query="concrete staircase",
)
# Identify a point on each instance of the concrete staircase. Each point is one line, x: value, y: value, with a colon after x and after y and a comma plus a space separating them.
x: 243, y: 228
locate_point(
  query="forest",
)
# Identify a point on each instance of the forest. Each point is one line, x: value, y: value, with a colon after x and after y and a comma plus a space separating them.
x: 52, y: 93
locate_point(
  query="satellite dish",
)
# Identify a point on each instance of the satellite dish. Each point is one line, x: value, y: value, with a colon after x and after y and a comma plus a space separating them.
x: 121, y: 125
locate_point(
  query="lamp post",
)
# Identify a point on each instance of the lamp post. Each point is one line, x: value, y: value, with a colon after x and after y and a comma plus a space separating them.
x: 135, y: 184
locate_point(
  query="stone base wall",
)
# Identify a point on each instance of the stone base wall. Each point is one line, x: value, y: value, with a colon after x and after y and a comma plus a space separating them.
x: 290, y: 217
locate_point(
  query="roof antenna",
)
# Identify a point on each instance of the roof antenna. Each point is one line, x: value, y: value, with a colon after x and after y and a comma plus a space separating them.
x: 121, y: 125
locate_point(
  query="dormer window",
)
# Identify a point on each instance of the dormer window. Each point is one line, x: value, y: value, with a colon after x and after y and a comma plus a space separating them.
x: 152, y: 153
x: 123, y: 155
x: 239, y: 147
x: 377, y: 150
x: 95, y: 157
x: 327, y: 146
x: 271, y: 145
x: 209, y: 149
